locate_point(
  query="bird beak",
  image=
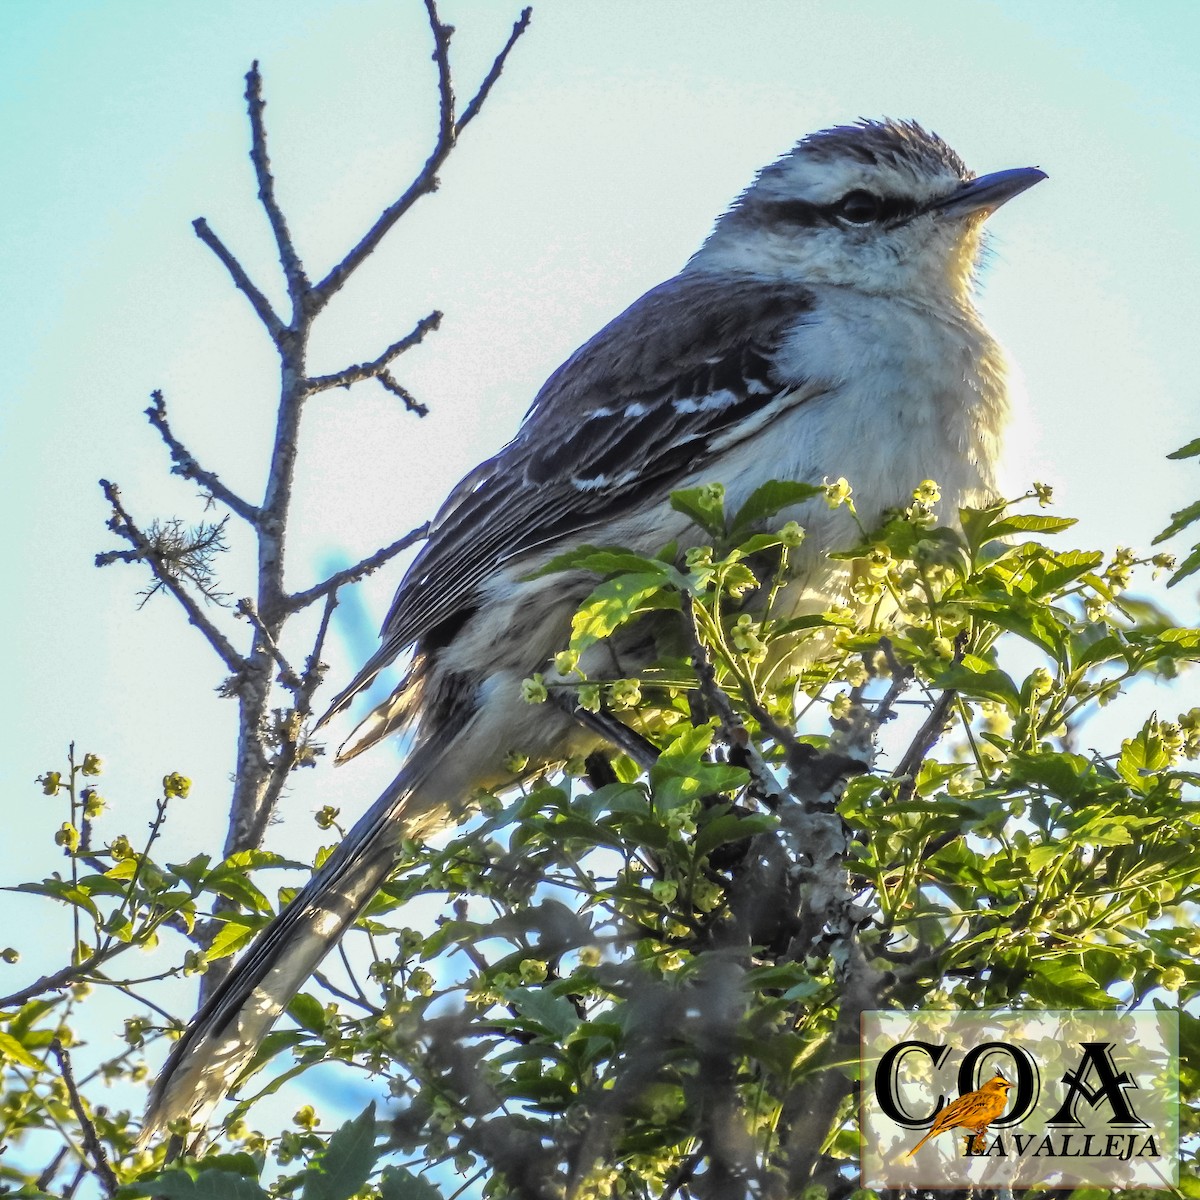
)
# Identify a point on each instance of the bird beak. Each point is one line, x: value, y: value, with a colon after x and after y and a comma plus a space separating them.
x: 988, y: 192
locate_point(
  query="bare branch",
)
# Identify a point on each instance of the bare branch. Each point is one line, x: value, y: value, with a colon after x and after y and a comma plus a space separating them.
x: 313, y: 667
x: 300, y: 600
x: 613, y: 730
x: 261, y: 305
x: 47, y: 1176
x: 287, y: 676
x: 293, y: 268
x: 480, y: 97
x: 57, y: 979
x: 426, y: 180
x: 932, y: 729
x: 91, y: 1142
x: 393, y: 385
x: 376, y: 367
x: 441, y: 55
x: 187, y: 466
x: 122, y: 524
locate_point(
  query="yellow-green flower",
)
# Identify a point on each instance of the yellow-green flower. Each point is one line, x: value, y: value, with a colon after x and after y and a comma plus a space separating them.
x: 532, y: 970
x: 927, y: 492
x: 791, y: 535
x: 306, y: 1117
x: 837, y: 493
x: 176, y: 785
x: 67, y: 836
x: 1040, y: 681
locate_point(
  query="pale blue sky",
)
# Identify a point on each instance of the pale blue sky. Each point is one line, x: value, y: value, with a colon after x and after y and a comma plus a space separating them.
x: 618, y: 133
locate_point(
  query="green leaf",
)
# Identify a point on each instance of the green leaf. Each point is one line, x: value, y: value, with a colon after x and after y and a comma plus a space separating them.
x: 1180, y: 643
x: 62, y: 889
x: 767, y: 500
x: 977, y: 524
x: 348, y: 1162
x: 12, y: 1051
x: 1037, y: 623
x: 729, y: 827
x: 1063, y: 983
x: 1103, y: 649
x: 232, y: 882
x: 983, y: 525
x: 205, y: 1185
x: 307, y: 1012
x: 1189, y: 566
x: 553, y: 1013
x: 1191, y: 450
x: 680, y: 774
x: 616, y: 601
x: 1057, y: 571
x: 1068, y: 776
x: 989, y: 683
x: 1031, y: 523
x: 705, y: 505
x: 232, y: 937
x: 239, y: 1161
x: 1179, y: 520
x: 757, y: 542
x: 192, y: 871
x: 398, y: 1184
x: 1142, y: 756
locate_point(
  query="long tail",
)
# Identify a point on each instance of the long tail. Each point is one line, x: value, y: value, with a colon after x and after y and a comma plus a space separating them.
x: 224, y: 1034
x: 922, y: 1142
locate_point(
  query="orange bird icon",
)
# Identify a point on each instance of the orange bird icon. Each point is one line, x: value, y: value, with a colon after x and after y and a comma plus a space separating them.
x: 974, y: 1112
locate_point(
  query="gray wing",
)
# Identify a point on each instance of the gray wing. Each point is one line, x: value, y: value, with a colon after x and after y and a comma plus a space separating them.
x: 635, y: 409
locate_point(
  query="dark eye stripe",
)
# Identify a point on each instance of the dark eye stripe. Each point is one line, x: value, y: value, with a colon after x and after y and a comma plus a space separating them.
x: 893, y: 210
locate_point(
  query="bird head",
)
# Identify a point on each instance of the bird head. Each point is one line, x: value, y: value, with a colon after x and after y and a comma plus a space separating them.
x: 880, y: 206
x: 998, y: 1083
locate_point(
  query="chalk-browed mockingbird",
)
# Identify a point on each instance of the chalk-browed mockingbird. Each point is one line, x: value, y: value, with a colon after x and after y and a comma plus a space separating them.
x: 824, y: 329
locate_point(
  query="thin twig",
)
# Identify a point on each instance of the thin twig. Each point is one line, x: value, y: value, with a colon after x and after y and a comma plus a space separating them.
x: 426, y: 180
x: 259, y: 302
x: 924, y: 741
x: 73, y: 1186
x: 643, y: 751
x: 331, y: 987
x: 91, y: 1142
x: 61, y: 978
x: 298, y: 600
x: 47, y: 1176
x: 122, y: 524
x: 441, y: 56
x: 314, y: 668
x: 367, y: 370
x: 393, y: 385
x: 293, y: 268
x: 480, y: 97
x: 187, y: 466
x: 287, y: 676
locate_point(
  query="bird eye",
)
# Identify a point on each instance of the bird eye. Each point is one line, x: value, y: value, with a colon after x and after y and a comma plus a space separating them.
x: 860, y: 208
